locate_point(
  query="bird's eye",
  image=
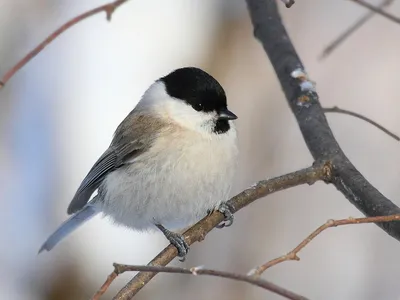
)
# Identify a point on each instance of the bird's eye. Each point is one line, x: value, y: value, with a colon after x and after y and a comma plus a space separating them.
x: 198, y: 106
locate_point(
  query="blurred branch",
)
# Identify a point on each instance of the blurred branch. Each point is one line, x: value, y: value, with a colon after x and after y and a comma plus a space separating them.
x: 109, y: 9
x: 119, y: 269
x: 341, y: 38
x: 320, y: 171
x: 304, y: 102
x: 292, y: 255
x: 377, y: 10
x: 336, y: 109
x: 288, y: 3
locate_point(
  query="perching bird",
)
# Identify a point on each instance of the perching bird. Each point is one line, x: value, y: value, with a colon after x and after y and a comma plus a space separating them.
x: 171, y: 161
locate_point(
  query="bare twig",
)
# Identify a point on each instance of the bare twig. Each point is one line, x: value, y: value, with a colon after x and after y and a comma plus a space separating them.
x: 101, y: 291
x: 292, y: 255
x: 341, y: 38
x: 109, y: 9
x: 119, y: 269
x: 377, y: 10
x: 336, y: 109
x: 202, y: 228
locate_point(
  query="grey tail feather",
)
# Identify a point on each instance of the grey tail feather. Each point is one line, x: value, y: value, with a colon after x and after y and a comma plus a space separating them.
x: 77, y: 219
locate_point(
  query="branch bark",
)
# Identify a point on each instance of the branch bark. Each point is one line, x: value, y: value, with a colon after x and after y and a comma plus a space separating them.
x: 196, y: 233
x: 304, y: 103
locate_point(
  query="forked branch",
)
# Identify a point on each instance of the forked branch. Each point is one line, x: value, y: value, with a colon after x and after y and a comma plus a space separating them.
x: 292, y: 255
x: 304, y: 101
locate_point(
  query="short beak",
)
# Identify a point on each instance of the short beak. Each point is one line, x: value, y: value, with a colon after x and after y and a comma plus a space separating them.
x: 225, y: 114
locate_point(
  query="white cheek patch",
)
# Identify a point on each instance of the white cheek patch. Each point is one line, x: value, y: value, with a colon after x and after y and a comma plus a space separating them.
x: 157, y: 99
x: 188, y: 117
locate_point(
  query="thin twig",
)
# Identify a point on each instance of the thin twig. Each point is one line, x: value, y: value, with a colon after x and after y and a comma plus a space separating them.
x: 320, y: 171
x: 105, y: 285
x: 120, y: 268
x: 336, y: 109
x: 341, y: 38
x: 377, y: 10
x: 292, y: 255
x: 109, y: 9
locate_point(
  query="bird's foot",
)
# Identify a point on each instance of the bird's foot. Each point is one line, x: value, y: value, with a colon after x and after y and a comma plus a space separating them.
x: 226, y: 209
x: 177, y: 240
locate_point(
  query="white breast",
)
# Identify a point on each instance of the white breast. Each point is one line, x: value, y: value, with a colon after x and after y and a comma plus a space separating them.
x: 174, y: 184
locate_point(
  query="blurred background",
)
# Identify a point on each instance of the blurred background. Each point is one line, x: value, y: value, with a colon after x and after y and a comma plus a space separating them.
x: 58, y: 114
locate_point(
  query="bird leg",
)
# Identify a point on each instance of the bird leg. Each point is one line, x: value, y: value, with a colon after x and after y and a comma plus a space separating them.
x: 177, y: 240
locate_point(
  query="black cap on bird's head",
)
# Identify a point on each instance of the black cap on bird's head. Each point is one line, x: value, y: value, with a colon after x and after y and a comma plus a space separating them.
x: 198, y: 89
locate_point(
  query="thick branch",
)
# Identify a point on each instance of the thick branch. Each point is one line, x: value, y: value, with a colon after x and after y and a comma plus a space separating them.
x: 305, y: 105
x: 107, y: 8
x: 292, y: 255
x: 119, y: 269
x: 202, y: 228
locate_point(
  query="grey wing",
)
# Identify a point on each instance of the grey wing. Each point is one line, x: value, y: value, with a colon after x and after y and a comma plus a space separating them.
x: 113, y: 158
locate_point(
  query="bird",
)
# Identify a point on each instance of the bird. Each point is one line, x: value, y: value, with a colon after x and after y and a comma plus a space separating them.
x: 171, y: 161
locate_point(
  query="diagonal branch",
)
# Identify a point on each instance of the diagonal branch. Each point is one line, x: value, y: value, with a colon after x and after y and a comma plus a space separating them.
x: 109, y: 9
x: 292, y: 255
x: 198, y: 232
x: 304, y: 102
x: 341, y: 38
x: 119, y: 269
x: 377, y: 10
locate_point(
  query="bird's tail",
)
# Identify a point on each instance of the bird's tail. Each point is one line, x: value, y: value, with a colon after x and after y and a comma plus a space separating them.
x: 88, y: 212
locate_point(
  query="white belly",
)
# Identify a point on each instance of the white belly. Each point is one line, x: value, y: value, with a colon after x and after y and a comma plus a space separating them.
x: 175, y: 193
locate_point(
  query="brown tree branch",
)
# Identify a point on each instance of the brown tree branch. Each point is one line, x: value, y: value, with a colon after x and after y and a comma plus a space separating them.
x: 320, y: 171
x: 120, y: 268
x: 109, y: 9
x: 377, y: 10
x: 292, y: 255
x: 342, y: 37
x: 336, y: 109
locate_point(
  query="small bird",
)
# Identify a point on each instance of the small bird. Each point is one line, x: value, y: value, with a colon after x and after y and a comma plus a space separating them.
x: 171, y: 162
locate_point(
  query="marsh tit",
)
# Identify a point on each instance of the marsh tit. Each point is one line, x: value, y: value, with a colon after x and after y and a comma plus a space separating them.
x: 171, y: 161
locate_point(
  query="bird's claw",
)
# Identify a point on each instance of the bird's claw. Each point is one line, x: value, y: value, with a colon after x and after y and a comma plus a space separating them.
x: 226, y: 209
x: 177, y: 240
